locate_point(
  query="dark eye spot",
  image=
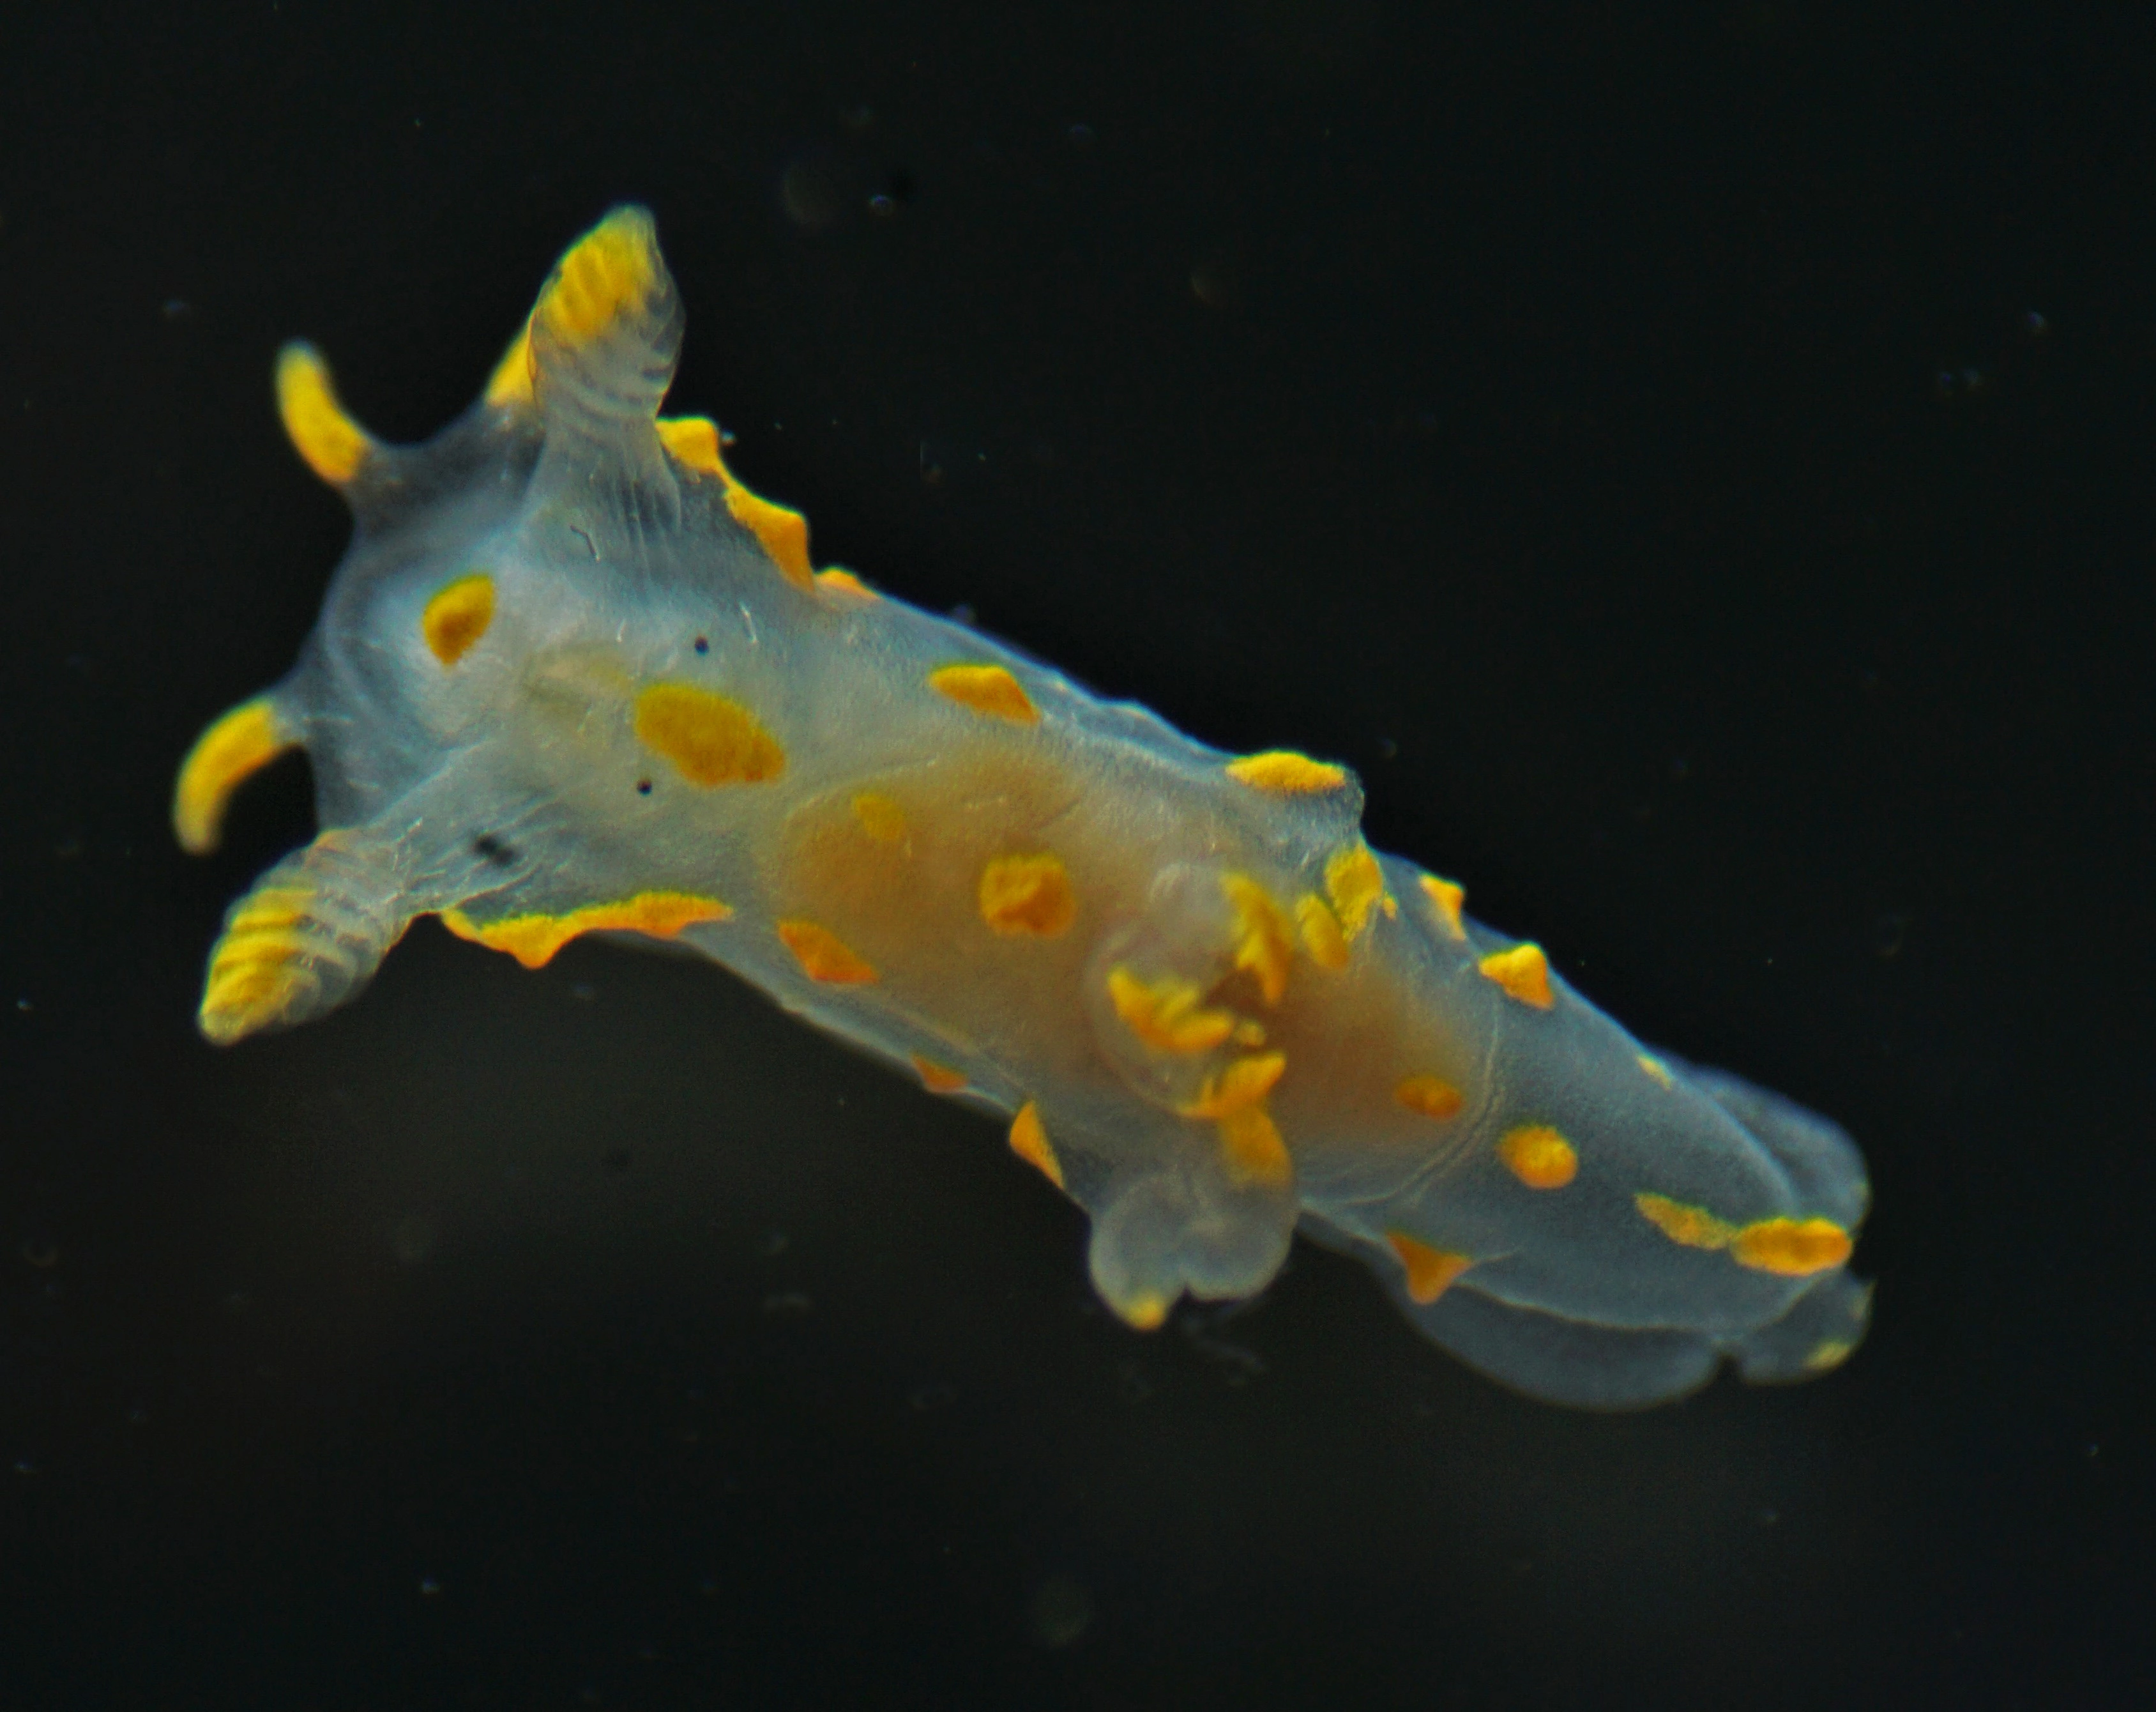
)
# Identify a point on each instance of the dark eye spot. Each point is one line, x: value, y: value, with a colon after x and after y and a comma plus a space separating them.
x: 703, y: 644
x: 644, y: 786
x: 494, y: 850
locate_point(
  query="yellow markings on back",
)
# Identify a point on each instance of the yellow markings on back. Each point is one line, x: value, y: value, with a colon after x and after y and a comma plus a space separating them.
x: 836, y: 581
x: 1538, y: 1156
x: 511, y: 383
x: 457, y: 617
x: 1828, y: 1354
x: 1028, y: 1140
x: 783, y: 533
x: 533, y: 939
x: 985, y: 689
x: 824, y: 957
x: 1688, y: 1227
x: 1655, y: 1067
x: 1028, y: 894
x: 1447, y: 899
x: 332, y: 444
x: 1234, y: 1100
x: 610, y: 272
x: 1432, y: 1096
x: 1792, y: 1248
x: 880, y: 818
x: 239, y: 744
x: 713, y: 739
x: 1167, y: 1014
x: 1523, y: 972
x: 1142, y: 1313
x: 1430, y: 1271
x: 1320, y: 928
x: 1284, y: 773
x: 258, y: 967
x: 1263, y: 945
x: 939, y: 1078
x: 1356, y: 886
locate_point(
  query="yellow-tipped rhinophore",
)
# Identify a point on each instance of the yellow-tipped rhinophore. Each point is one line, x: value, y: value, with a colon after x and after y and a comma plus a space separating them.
x: 238, y: 745
x: 322, y: 431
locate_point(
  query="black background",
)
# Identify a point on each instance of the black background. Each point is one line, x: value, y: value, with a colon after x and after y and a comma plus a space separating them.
x: 1693, y: 461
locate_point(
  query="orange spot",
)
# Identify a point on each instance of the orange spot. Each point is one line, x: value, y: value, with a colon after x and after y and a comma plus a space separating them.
x: 711, y: 739
x: 239, y: 744
x: 1255, y: 1152
x: 880, y: 818
x: 783, y: 533
x: 332, y: 444
x: 458, y: 616
x: 1447, y: 899
x: 533, y: 939
x: 1432, y: 1096
x: 1794, y: 1248
x: 1241, y: 1087
x: 1523, y: 972
x: 511, y: 380
x: 1028, y: 1140
x: 1320, y: 928
x: 1655, y: 1067
x: 1262, y: 945
x: 1356, y: 884
x: 1027, y: 894
x: 937, y: 1078
x: 835, y: 581
x: 1166, y: 1015
x: 1284, y: 773
x: 1692, y: 1226
x: 1430, y: 1271
x: 1538, y: 1156
x: 985, y: 689
x: 824, y: 956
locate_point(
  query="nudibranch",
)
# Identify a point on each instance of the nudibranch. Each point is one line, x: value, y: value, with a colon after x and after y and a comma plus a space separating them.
x: 572, y: 676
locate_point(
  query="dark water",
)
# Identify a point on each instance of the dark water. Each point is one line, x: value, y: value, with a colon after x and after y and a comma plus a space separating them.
x: 1693, y: 462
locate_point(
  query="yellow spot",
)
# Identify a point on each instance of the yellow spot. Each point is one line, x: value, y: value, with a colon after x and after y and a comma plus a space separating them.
x: 1166, y: 1015
x: 533, y: 939
x: 1828, y: 1355
x: 1794, y: 1248
x: 1262, y: 944
x: 612, y: 272
x: 1250, y: 1032
x: 510, y: 382
x: 1143, y: 1314
x: 458, y: 616
x: 835, y: 581
x: 940, y: 1078
x: 1356, y: 884
x: 880, y: 818
x: 239, y: 744
x: 1692, y: 1226
x: 1430, y: 1271
x: 824, y: 956
x: 1284, y: 773
x: 1538, y: 1156
x: 1242, y: 1086
x: 1655, y: 1067
x: 1523, y: 972
x: 332, y: 444
x: 1028, y: 1140
x: 1432, y: 1096
x: 1255, y: 1152
x: 985, y: 689
x: 1320, y: 928
x: 712, y: 738
x: 1028, y: 894
x: 783, y: 533
x: 1447, y: 898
